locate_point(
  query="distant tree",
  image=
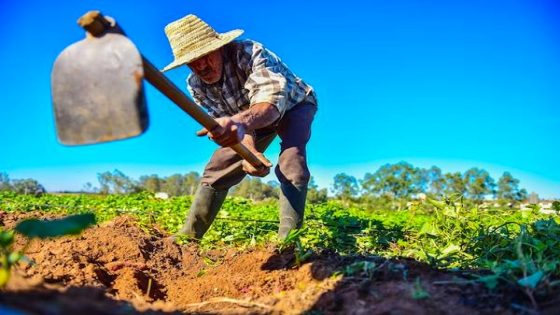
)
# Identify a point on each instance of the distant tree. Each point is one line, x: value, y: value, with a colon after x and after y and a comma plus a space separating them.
x: 454, y: 184
x: 534, y: 198
x: 245, y: 189
x: 314, y: 194
x: 89, y: 188
x: 191, y: 182
x: 174, y: 185
x: 253, y: 188
x: 151, y: 183
x: 436, y: 181
x: 399, y: 181
x: 272, y: 189
x: 124, y: 184
x: 556, y: 206
x: 104, y: 180
x: 479, y: 184
x: 273, y: 184
x: 28, y: 187
x: 508, y: 190
x: 116, y: 183
x: 345, y: 186
x: 5, y: 182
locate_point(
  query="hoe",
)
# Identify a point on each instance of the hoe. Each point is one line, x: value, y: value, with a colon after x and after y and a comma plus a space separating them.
x: 98, y: 92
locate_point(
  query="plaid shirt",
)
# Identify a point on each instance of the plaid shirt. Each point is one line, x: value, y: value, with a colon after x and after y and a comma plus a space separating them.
x: 251, y: 74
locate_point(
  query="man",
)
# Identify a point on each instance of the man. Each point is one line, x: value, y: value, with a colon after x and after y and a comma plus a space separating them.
x: 254, y: 97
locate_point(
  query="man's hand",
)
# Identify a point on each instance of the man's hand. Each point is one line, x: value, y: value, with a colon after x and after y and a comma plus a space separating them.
x: 226, y: 133
x: 231, y: 129
x: 251, y: 170
x: 249, y: 142
x: 239, y: 128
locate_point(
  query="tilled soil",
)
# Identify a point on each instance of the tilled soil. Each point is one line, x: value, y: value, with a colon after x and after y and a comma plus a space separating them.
x: 117, y: 268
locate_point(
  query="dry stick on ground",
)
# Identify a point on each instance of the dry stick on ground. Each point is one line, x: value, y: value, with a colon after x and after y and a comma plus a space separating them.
x: 229, y: 300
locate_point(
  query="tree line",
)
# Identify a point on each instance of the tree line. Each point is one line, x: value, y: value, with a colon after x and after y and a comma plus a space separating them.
x: 27, y: 186
x: 116, y: 182
x: 403, y: 181
x: 393, y: 184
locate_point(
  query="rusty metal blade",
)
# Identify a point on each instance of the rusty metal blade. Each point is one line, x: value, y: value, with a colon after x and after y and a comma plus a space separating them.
x: 97, y: 91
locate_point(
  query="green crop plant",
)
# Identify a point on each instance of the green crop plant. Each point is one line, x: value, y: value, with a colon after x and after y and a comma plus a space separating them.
x: 293, y: 242
x: 504, y: 246
x: 362, y: 269
x: 8, y: 257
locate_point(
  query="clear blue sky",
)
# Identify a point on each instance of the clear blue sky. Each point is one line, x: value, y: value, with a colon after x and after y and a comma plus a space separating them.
x: 450, y: 83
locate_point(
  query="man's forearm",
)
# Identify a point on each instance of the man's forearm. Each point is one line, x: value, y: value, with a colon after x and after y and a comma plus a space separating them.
x: 257, y: 116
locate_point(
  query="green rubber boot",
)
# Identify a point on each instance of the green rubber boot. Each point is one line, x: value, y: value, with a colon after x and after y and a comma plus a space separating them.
x: 292, y: 206
x: 207, y: 202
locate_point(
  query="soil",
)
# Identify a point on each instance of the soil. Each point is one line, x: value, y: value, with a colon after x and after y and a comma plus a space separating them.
x: 118, y: 268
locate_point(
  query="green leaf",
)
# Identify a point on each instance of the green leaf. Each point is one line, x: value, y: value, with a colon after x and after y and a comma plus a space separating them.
x: 451, y: 249
x: 513, y: 264
x: 428, y: 228
x: 14, y: 257
x: 70, y: 225
x: 531, y: 281
x: 436, y: 203
x: 490, y: 281
x: 305, y: 256
x: 6, y: 238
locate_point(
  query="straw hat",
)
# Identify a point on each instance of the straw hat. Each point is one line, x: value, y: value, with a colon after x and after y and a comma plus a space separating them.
x: 191, y: 38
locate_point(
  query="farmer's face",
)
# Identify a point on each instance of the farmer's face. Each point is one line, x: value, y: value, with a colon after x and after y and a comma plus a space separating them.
x: 208, y: 68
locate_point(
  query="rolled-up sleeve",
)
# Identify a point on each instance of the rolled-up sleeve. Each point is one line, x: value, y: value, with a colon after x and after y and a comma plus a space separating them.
x: 266, y: 82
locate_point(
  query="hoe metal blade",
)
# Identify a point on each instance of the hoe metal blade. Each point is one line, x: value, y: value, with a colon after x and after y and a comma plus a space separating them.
x: 97, y: 91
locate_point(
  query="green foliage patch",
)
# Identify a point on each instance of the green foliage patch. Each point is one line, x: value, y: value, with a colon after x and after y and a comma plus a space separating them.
x: 519, y: 248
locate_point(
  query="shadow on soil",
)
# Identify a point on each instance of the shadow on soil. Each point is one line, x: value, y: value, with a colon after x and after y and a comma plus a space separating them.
x: 343, y: 232
x: 375, y: 285
x: 74, y: 300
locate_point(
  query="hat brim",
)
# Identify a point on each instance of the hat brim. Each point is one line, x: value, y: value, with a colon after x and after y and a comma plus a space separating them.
x: 221, y: 40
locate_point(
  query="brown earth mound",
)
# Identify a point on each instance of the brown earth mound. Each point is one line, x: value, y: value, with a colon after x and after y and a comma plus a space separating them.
x: 117, y: 268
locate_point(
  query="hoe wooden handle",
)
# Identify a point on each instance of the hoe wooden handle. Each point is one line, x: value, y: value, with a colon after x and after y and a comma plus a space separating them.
x: 165, y: 86
x: 96, y: 24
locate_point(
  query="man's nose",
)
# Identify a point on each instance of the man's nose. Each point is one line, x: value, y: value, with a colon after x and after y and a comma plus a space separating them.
x: 199, y: 64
